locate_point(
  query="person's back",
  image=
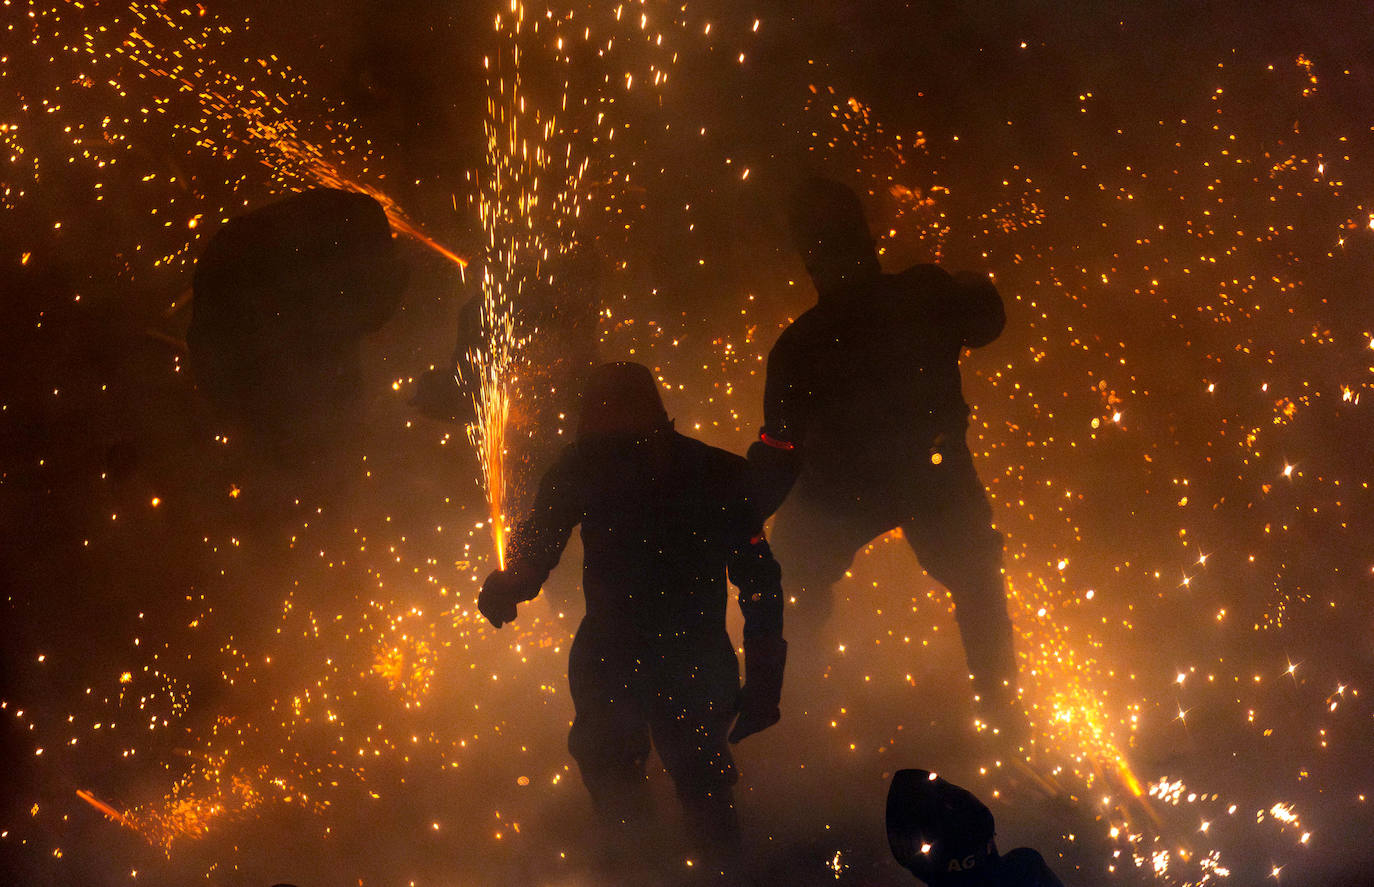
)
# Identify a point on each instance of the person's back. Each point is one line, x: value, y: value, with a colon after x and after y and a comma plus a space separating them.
x: 661, y: 516
x: 869, y: 384
x: 665, y: 520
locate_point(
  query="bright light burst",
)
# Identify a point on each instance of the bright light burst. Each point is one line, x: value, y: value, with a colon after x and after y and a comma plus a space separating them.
x: 528, y: 202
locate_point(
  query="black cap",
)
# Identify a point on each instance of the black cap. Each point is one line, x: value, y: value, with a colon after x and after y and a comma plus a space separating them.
x: 937, y: 830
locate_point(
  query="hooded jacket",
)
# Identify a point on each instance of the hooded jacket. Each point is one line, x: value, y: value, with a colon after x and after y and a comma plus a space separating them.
x: 665, y: 519
x: 869, y: 378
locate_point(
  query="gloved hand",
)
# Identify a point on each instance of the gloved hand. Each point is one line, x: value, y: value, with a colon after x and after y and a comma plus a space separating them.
x: 764, y: 658
x: 501, y: 591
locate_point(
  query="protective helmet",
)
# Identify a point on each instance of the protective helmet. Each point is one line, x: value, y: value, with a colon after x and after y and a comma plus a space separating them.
x: 827, y: 215
x: 938, y: 831
x: 323, y: 259
x: 621, y: 399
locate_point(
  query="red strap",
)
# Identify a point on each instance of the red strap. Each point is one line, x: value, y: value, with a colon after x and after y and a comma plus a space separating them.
x: 775, y: 442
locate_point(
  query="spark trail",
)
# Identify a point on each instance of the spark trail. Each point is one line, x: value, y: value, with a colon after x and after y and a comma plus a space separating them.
x: 159, y: 108
x: 528, y: 204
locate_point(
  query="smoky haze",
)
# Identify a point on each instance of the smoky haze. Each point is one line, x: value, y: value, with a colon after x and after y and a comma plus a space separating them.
x: 272, y: 669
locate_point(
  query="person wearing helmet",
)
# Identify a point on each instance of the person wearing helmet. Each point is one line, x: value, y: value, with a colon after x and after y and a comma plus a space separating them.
x: 945, y: 836
x: 864, y: 426
x: 283, y: 297
x: 665, y: 519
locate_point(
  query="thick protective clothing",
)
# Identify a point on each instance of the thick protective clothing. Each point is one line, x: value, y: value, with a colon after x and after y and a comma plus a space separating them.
x: 864, y: 427
x: 765, y: 655
x: 867, y: 385
x: 664, y: 520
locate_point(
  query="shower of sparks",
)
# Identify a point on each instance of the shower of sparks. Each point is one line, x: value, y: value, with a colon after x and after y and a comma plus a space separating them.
x: 488, y: 433
x: 1084, y: 724
x: 186, y: 815
x: 158, y: 106
x: 297, y: 159
x: 1186, y: 372
x: 1069, y: 710
x: 528, y: 203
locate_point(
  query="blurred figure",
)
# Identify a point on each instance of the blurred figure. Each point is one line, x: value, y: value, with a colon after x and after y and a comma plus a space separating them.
x: 944, y: 835
x: 864, y: 423
x: 283, y: 297
x: 556, y: 320
x: 664, y: 519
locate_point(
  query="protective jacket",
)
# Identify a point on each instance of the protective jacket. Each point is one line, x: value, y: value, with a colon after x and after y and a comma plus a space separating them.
x: 861, y: 387
x: 664, y: 519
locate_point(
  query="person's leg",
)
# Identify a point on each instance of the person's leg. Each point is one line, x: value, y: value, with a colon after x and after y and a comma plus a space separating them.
x: 609, y: 739
x: 953, y: 538
x: 694, y: 703
x: 815, y: 542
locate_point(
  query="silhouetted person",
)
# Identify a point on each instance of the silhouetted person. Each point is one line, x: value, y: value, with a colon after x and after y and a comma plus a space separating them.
x: 864, y: 423
x: 944, y: 835
x: 283, y: 297
x: 665, y: 519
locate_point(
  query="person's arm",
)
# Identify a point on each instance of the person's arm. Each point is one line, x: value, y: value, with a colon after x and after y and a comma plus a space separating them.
x: 775, y: 458
x: 756, y: 574
x: 536, y: 544
x: 758, y: 577
x: 786, y: 390
x: 967, y: 304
